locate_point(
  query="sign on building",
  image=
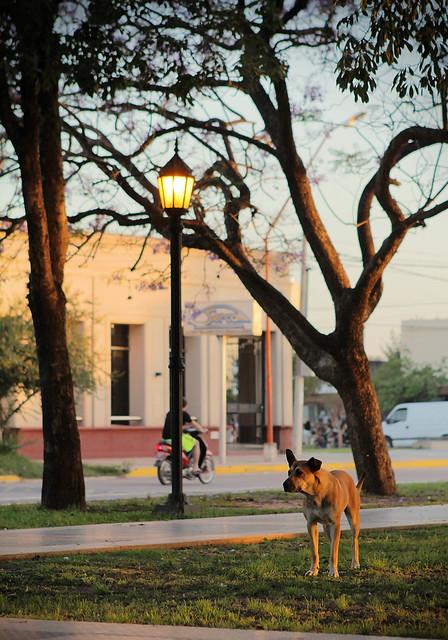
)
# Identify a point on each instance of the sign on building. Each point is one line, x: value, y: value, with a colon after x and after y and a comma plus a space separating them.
x: 242, y: 318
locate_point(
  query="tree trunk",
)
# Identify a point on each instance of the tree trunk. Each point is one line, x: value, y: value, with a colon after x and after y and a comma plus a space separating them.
x: 63, y: 479
x: 363, y: 415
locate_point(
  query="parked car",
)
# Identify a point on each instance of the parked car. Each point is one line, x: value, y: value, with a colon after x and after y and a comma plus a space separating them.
x: 410, y: 422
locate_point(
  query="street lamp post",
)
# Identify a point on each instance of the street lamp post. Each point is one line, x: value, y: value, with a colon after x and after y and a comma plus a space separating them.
x: 175, y: 188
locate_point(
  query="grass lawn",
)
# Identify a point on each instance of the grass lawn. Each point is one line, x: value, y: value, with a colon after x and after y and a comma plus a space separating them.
x: 12, y: 463
x: 18, y: 516
x: 401, y: 588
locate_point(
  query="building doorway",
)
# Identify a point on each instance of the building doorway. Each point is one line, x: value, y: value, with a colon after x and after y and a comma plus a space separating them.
x: 245, y: 384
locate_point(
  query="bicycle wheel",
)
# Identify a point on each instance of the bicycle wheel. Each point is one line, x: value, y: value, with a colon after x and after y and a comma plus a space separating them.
x: 207, y: 472
x: 164, y: 472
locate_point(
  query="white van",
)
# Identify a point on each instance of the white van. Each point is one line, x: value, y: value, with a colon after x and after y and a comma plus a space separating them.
x: 412, y: 421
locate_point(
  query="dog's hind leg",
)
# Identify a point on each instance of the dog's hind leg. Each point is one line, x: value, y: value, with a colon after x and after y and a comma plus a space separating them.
x: 353, y: 520
x: 314, y: 540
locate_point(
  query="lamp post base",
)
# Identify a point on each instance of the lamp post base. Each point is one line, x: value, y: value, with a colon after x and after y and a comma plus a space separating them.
x: 174, y: 505
x: 270, y: 451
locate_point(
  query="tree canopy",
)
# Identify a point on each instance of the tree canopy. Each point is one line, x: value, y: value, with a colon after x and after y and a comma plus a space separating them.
x: 221, y: 75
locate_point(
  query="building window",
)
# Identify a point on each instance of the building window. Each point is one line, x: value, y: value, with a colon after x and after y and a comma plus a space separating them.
x: 120, y: 374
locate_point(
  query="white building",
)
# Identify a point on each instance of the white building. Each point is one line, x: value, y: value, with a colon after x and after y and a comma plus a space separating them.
x: 125, y: 313
x: 426, y: 341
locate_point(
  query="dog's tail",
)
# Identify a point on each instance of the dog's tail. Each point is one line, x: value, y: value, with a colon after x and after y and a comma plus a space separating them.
x: 362, y: 477
x: 361, y: 481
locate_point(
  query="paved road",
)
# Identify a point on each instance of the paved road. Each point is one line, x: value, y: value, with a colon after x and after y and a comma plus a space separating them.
x: 112, y: 488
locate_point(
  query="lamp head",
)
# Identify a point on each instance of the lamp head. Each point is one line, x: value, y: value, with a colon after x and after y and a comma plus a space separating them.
x: 176, y: 183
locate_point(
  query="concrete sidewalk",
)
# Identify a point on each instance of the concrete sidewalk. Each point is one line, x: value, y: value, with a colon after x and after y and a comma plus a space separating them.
x: 21, y: 543
x: 19, y: 629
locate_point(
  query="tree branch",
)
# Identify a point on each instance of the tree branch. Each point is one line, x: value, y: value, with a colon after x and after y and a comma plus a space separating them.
x: 419, y: 216
x: 312, y: 346
x: 297, y: 7
x: 87, y: 144
x: 11, y: 123
x: 402, y: 145
x: 302, y: 198
x: 125, y: 220
x: 222, y: 129
x: 365, y: 237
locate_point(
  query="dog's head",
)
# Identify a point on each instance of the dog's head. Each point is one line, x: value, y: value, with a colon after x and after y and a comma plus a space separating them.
x: 301, y: 475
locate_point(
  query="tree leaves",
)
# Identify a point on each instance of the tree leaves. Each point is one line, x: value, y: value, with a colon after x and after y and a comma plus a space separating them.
x: 409, y: 36
x: 19, y: 372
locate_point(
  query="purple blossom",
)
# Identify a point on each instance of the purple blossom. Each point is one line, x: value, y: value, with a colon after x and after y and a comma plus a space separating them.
x: 316, y: 178
x: 161, y: 246
x: 144, y: 285
x: 313, y: 93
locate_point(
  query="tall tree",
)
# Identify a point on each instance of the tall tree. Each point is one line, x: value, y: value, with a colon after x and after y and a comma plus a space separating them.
x: 40, y: 44
x: 30, y: 51
x: 237, y: 53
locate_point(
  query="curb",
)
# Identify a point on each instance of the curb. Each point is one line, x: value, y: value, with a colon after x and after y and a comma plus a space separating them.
x: 10, y: 478
x: 151, y: 472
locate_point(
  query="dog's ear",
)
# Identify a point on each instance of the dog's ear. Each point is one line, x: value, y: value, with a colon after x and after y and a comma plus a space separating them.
x: 314, y: 464
x: 290, y: 457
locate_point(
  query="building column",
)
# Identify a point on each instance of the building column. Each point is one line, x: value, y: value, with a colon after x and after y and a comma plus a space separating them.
x: 223, y: 398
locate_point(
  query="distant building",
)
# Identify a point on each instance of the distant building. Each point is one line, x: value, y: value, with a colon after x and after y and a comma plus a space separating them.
x: 426, y: 341
x: 126, y: 315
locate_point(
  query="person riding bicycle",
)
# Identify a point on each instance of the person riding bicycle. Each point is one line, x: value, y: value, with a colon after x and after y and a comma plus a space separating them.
x: 192, y: 444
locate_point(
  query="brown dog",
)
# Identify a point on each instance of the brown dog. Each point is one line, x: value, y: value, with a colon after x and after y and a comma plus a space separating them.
x: 327, y: 495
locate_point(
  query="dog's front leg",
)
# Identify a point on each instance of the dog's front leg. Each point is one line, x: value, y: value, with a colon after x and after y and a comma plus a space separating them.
x: 314, y: 539
x: 335, y: 536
